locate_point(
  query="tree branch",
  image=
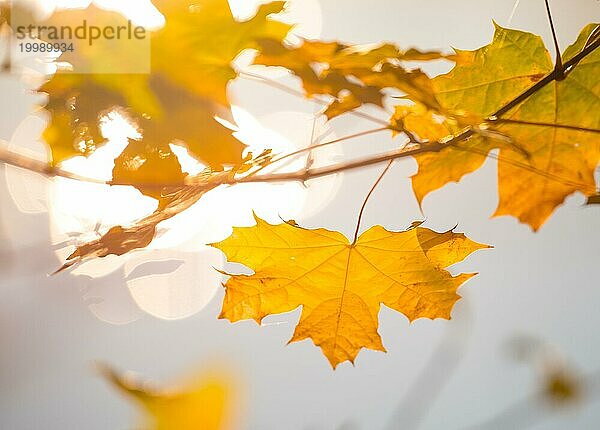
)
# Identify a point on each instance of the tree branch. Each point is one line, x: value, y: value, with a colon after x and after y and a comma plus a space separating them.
x: 22, y: 161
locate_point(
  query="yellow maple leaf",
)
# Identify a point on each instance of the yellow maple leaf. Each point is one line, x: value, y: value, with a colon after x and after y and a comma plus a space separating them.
x: 551, y: 150
x: 204, y: 404
x: 341, y: 285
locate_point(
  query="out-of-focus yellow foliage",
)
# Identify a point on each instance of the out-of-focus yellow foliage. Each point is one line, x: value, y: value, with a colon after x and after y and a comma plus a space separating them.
x: 421, y: 122
x: 205, y: 404
x: 191, y: 66
x: 562, y: 387
x: 551, y: 149
x: 341, y: 285
x: 352, y: 75
x: 561, y: 384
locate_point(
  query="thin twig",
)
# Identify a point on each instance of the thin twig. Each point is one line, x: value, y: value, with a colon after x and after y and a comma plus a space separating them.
x: 513, y: 11
x: 364, y: 205
x: 319, y: 145
x: 309, y: 156
x: 545, y: 124
x: 314, y: 173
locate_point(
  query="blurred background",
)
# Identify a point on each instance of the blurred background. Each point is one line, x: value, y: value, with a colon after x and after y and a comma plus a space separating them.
x: 155, y: 311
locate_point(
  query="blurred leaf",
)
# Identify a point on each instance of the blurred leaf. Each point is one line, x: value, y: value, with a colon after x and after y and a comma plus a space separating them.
x: 562, y: 387
x: 560, y: 383
x: 191, y: 67
x: 352, y: 75
x: 203, y: 405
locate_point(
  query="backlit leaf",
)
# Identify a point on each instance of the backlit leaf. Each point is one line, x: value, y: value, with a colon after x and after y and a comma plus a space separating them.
x: 551, y: 148
x: 352, y: 75
x: 341, y: 285
x: 191, y: 62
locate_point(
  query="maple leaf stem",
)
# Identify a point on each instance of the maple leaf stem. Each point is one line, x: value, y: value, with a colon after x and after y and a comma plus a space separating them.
x: 544, y: 124
x: 559, y: 66
x: 313, y: 142
x: 364, y: 205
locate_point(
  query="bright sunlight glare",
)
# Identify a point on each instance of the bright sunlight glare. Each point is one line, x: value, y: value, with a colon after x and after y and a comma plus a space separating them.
x: 84, y: 211
x: 306, y: 14
x: 174, y: 277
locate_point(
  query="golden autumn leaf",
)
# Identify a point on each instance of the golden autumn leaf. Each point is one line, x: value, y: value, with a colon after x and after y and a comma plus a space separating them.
x: 205, y: 404
x: 551, y: 148
x: 341, y: 285
x: 191, y: 66
x: 352, y: 75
